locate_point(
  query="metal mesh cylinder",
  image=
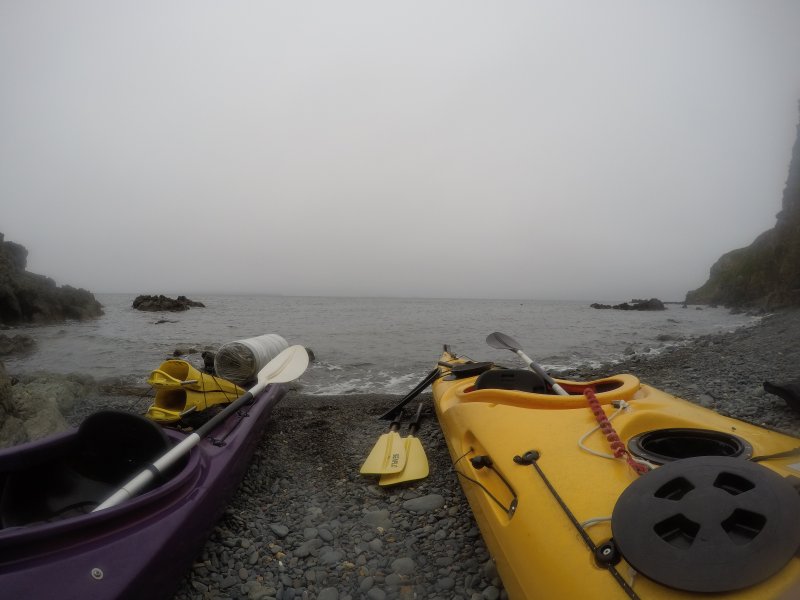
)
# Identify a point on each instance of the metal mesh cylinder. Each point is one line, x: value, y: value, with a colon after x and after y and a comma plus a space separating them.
x: 240, y: 361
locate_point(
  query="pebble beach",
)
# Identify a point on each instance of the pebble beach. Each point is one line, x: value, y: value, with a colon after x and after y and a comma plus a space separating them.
x: 304, y: 523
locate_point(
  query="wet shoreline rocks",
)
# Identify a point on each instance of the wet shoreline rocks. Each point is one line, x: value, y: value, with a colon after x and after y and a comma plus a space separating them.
x: 16, y: 344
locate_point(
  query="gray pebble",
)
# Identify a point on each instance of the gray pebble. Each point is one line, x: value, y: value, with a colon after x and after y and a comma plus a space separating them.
x: 376, y: 594
x: 331, y: 557
x: 424, y: 504
x: 280, y: 530
x: 378, y: 518
x: 328, y: 593
x: 366, y: 584
x: 446, y: 583
x: 404, y: 566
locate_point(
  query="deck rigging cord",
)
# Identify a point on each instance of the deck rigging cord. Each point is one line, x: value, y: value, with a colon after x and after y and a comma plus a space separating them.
x: 612, y: 436
x: 531, y: 458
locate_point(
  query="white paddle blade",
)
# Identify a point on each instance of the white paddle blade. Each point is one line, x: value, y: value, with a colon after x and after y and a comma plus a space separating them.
x: 287, y: 366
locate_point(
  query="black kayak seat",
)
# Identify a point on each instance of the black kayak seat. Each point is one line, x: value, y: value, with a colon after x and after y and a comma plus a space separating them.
x: 109, y: 448
x: 521, y: 380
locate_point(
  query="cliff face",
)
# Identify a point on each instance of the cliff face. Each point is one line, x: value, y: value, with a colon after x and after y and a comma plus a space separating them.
x: 29, y: 298
x: 766, y: 274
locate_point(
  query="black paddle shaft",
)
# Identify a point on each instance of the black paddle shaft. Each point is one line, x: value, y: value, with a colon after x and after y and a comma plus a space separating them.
x: 392, y: 412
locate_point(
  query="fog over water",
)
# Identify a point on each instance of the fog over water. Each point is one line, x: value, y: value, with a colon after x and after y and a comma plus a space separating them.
x: 553, y: 150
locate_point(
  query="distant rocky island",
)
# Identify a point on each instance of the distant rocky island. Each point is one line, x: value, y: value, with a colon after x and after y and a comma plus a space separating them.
x: 766, y: 274
x: 635, y: 304
x: 27, y: 298
x: 163, y: 303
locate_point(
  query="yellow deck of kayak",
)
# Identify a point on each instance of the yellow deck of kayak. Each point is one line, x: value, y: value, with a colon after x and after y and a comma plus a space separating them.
x: 538, y: 551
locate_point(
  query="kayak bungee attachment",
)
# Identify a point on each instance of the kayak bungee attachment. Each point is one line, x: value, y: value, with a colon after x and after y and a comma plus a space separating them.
x: 484, y: 461
x: 601, y: 553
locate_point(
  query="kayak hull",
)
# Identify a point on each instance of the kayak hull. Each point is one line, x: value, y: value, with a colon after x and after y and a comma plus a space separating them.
x: 539, y: 552
x: 141, y: 548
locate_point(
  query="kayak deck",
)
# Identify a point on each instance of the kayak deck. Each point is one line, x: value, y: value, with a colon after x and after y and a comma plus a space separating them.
x: 539, y: 552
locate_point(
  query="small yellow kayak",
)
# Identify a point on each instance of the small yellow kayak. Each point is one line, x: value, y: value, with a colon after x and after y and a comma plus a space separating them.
x: 181, y: 389
x: 619, y: 490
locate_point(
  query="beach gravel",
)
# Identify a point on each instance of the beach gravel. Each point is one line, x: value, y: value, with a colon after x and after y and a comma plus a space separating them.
x: 304, y: 524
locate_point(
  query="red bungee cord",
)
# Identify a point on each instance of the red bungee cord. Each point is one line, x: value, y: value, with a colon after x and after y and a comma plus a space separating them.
x: 608, y: 430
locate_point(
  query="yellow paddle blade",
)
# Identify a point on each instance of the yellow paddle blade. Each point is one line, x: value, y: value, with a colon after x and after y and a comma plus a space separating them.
x: 388, y: 455
x: 416, y: 464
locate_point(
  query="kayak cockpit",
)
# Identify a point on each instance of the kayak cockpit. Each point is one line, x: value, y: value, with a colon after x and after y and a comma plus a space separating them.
x: 498, y: 385
x: 71, y: 474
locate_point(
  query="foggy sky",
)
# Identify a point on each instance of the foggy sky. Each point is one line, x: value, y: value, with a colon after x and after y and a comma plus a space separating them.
x: 566, y: 150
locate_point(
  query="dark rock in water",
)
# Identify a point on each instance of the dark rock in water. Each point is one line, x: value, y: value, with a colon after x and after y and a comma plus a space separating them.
x: 765, y: 274
x: 163, y: 303
x: 12, y: 429
x: 208, y: 361
x: 18, y: 344
x: 29, y: 298
x: 635, y: 304
x: 184, y: 351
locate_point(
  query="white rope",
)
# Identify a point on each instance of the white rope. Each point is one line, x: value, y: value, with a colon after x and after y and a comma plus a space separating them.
x: 622, y: 406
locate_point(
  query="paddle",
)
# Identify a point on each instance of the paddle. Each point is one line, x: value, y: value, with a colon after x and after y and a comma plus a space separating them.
x: 416, y: 461
x: 388, y: 455
x: 502, y: 341
x: 393, y: 412
x: 287, y: 366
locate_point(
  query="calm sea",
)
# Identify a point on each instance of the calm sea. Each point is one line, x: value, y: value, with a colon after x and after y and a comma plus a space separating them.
x: 381, y: 345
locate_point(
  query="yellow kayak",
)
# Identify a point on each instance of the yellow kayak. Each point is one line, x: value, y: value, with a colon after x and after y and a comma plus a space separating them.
x: 619, y: 490
x: 181, y: 389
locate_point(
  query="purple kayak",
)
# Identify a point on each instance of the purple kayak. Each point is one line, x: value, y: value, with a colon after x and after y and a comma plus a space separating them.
x: 53, y: 546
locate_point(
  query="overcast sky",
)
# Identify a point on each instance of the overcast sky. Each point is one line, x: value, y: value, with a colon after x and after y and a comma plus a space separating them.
x: 566, y: 150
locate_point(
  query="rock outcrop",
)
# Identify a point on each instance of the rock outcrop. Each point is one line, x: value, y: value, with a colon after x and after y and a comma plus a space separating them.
x: 29, y: 298
x: 17, y: 344
x: 162, y: 303
x: 35, y: 406
x: 635, y: 304
x: 766, y: 274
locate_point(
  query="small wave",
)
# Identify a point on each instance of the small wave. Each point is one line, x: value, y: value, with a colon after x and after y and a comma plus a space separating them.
x: 328, y: 366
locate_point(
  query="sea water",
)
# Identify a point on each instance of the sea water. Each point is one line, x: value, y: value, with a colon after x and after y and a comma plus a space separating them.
x: 363, y: 345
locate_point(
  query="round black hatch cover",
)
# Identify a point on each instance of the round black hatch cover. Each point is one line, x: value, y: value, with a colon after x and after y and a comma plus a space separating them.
x: 708, y: 524
x: 661, y: 446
